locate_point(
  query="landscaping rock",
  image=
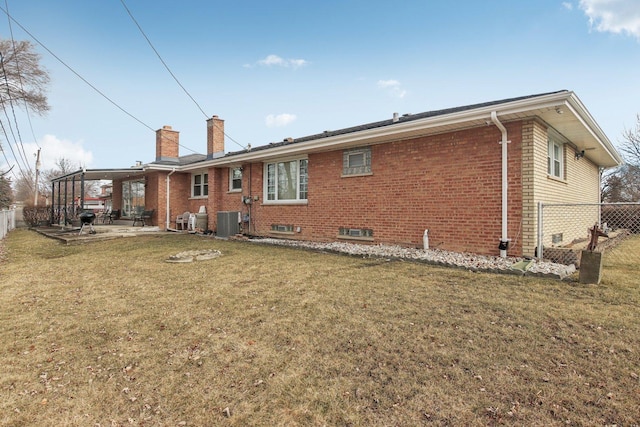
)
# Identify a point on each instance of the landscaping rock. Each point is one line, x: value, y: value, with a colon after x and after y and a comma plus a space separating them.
x: 467, y: 261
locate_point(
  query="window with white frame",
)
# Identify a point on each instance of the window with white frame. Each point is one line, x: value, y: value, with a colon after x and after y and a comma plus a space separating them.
x: 200, y: 185
x: 286, y: 181
x: 555, y: 159
x: 235, y: 179
x: 356, y: 161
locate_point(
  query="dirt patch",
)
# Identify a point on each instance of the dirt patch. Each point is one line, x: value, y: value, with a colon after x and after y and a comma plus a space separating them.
x: 195, y: 255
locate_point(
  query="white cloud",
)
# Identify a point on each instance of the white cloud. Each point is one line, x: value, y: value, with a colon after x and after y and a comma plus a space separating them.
x: 392, y: 87
x: 272, y: 60
x: 614, y: 16
x: 53, y: 149
x: 279, y: 120
x: 388, y: 83
x: 567, y: 5
x: 277, y: 61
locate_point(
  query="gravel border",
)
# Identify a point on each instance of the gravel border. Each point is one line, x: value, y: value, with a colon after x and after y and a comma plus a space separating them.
x: 467, y: 261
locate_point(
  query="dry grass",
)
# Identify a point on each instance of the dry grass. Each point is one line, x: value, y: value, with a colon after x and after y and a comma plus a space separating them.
x: 110, y: 334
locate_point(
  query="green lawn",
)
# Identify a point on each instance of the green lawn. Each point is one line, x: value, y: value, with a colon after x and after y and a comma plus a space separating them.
x: 109, y: 334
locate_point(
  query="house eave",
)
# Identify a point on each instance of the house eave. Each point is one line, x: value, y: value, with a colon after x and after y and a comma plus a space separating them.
x: 575, y: 123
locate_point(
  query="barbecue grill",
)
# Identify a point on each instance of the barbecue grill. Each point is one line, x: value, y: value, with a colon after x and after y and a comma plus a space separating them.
x: 87, y: 218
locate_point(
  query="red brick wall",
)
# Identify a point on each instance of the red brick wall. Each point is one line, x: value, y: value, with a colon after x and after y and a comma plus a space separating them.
x: 167, y: 143
x: 220, y: 198
x: 449, y: 184
x: 215, y: 136
x: 116, y: 194
x: 179, y: 196
x: 181, y: 200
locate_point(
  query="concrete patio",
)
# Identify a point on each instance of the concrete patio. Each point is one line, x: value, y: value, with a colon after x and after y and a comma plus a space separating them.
x: 71, y: 234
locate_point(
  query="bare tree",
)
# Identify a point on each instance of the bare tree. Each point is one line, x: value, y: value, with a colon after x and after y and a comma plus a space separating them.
x: 623, y: 184
x: 631, y: 145
x: 23, y: 187
x: 22, y: 80
x: 64, y: 166
x: 23, y: 83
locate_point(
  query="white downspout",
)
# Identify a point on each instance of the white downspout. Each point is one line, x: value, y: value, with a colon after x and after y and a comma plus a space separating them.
x: 168, y: 221
x: 504, y: 240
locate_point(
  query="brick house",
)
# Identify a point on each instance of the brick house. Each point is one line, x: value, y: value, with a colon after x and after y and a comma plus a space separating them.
x: 471, y: 175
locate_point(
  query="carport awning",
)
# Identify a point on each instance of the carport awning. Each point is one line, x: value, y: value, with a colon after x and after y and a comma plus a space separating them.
x: 100, y: 174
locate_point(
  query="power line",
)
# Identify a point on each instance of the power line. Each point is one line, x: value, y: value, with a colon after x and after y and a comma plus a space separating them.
x: 21, y: 146
x: 21, y: 150
x: 162, y: 60
x: 169, y: 70
x: 26, y: 105
x: 6, y: 137
x: 14, y: 154
x: 76, y: 73
x: 11, y: 18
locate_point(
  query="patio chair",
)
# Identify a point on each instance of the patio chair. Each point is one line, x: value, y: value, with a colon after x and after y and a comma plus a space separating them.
x: 103, y: 216
x: 114, y: 214
x: 143, y: 217
x: 183, y: 220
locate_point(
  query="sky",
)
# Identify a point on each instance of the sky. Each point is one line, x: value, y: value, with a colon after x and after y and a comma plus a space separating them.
x: 294, y: 68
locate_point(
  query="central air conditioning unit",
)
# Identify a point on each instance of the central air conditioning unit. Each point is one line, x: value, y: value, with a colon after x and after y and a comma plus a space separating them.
x: 228, y: 223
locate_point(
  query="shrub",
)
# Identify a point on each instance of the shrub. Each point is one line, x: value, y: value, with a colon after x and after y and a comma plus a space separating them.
x: 37, y: 215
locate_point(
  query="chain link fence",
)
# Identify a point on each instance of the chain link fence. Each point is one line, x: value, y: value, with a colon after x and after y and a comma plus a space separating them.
x: 564, y: 229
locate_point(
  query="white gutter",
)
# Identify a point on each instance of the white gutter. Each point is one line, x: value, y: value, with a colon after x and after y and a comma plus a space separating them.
x: 504, y: 241
x: 472, y: 117
x: 476, y: 117
x: 168, y: 220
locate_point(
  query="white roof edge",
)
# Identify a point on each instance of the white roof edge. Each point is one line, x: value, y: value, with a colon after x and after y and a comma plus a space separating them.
x: 562, y: 98
x: 590, y: 123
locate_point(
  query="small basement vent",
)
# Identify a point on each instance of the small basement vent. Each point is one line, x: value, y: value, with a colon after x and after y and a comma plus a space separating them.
x: 355, y: 232
x: 282, y: 228
x: 556, y: 238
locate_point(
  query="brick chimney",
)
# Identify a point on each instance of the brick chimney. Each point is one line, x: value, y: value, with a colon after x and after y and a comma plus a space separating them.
x: 167, y: 141
x: 215, y: 137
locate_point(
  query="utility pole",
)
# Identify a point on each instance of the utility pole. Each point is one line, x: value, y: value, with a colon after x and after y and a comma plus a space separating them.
x: 35, y: 199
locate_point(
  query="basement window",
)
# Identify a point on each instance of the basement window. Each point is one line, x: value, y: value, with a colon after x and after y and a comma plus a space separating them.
x: 281, y: 228
x: 356, y: 162
x: 355, y: 233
